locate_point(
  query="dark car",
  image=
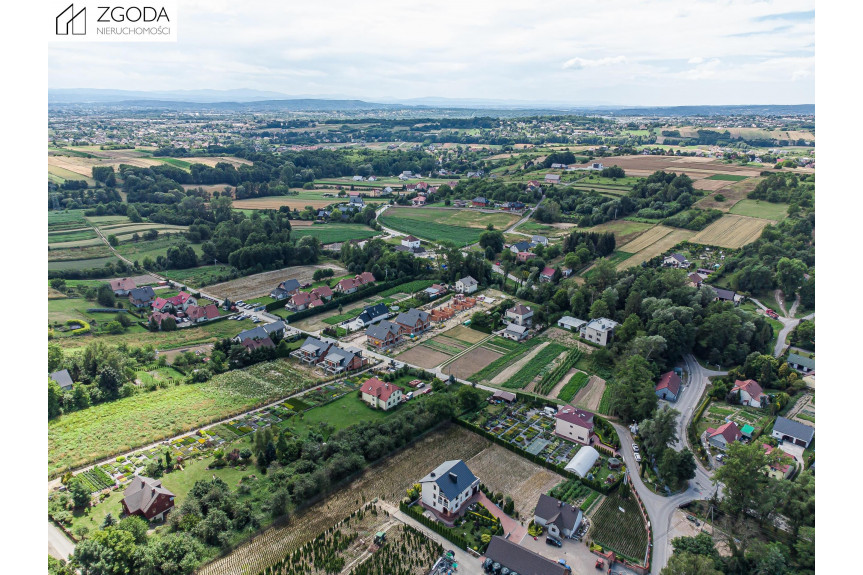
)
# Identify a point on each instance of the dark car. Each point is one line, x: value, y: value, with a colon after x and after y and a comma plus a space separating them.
x: 553, y: 541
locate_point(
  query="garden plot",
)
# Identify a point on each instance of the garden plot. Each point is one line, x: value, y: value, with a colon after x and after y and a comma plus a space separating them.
x: 471, y: 362
x: 720, y: 412
x: 515, y: 368
x: 424, y: 356
x: 623, y: 532
x: 591, y: 394
x: 465, y: 334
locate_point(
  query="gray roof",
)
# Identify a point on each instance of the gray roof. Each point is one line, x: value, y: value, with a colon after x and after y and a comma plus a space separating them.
x: 468, y: 281
x: 452, y: 477
x: 373, y: 311
x: 411, y: 317
x: 343, y: 356
x: 571, y: 321
x: 602, y: 324
x: 723, y: 294
x: 380, y: 331
x: 554, y: 511
x: 522, y: 560
x: 521, y: 246
x: 794, y: 429
x: 515, y: 328
x: 142, y: 492
x: 145, y: 293
x: 290, y: 285
x: 261, y: 331
x: 63, y: 379
x: 801, y: 360
x: 314, y: 344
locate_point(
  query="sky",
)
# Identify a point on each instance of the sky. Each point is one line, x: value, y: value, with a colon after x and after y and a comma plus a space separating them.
x: 650, y: 53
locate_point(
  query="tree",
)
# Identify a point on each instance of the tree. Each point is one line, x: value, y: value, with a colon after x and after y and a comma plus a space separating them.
x: 113, y: 241
x: 492, y: 239
x: 114, y: 327
x: 110, y: 381
x: 108, y: 521
x: 135, y: 525
x: 743, y: 476
x: 168, y: 324
x: 172, y: 554
x: 659, y: 432
x: 676, y: 467
x: 105, y: 296
x: 109, y: 551
x: 632, y: 396
x: 689, y: 564
x: 79, y: 492
x: 789, y: 275
x: 55, y: 395
x: 599, y: 309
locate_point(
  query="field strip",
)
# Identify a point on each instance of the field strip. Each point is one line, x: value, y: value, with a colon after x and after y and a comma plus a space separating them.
x: 458, y: 355
x: 517, y: 366
x: 646, y: 239
x: 732, y: 231
x: 590, y: 395
x: 669, y: 241
x: 563, y: 381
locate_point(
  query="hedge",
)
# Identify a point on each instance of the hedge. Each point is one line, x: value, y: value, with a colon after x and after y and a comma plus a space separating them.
x: 439, y: 528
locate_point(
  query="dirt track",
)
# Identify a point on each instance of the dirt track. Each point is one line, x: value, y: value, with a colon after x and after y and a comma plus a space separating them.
x: 591, y: 394
x: 516, y: 367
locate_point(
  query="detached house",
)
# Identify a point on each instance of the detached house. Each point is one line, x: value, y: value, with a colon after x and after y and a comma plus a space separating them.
x: 198, y: 314
x: 141, y: 296
x: 515, y: 332
x: 466, y: 285
x: 570, y: 323
x: 179, y: 302
x: 370, y: 315
x: 784, y: 468
x: 147, y: 498
x: 411, y: 242
x: 546, y: 275
x: 313, y: 350
x: 122, y: 286
x: 479, y: 202
x: 725, y: 435
x: 253, y: 344
x: 300, y: 301
x: 676, y: 261
x: 750, y: 392
x: 384, y: 335
x: 561, y: 519
x: 793, y: 432
x: 668, y: 387
x: 63, y: 379
x: 350, y: 285
x: 520, y: 315
x: 552, y: 178
x: 339, y: 360
x: 600, y: 330
x: 286, y: 289
x: 574, y: 424
x: 448, y: 488
x: 381, y: 395
x: 414, y: 321
x: 519, y: 247
x: 723, y: 294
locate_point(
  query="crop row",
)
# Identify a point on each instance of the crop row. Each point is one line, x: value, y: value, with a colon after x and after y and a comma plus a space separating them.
x: 551, y: 378
x: 573, y: 386
x: 539, y: 362
x: 498, y: 365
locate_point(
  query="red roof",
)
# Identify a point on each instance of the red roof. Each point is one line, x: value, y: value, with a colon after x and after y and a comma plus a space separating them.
x: 322, y: 292
x: 177, y: 300
x: 750, y: 386
x: 252, y: 344
x: 729, y: 431
x: 379, y: 389
x: 197, y: 312
x: 576, y: 416
x: 347, y: 284
x: 669, y: 381
x: 365, y: 278
x: 548, y: 271
x: 159, y: 316
x: 301, y: 298
x: 781, y: 466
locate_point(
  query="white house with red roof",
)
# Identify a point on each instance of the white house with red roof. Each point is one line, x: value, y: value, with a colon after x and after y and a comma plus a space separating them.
x: 751, y: 393
x: 350, y: 285
x: 197, y: 314
x: 724, y: 435
x: 179, y: 302
x: 784, y: 468
x: 668, y: 387
x: 547, y: 274
x: 380, y: 394
x: 411, y: 242
x: 574, y: 424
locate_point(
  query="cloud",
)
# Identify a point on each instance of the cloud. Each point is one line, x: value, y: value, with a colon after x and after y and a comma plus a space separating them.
x: 795, y: 16
x: 581, y: 63
x: 695, y: 60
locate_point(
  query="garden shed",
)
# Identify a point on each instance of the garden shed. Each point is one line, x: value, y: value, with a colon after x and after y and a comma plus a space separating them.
x: 583, y: 461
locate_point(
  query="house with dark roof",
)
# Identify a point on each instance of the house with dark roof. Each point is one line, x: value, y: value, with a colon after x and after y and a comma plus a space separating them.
x: 313, y: 350
x: 384, y: 335
x: 801, y: 363
x: 63, y: 379
x: 515, y: 332
x: 500, y: 395
x: 122, y: 286
x: 668, y: 387
x: 479, y: 202
x: 371, y: 314
x: 793, y: 431
x: 520, y: 314
x: 517, y: 559
x: 262, y: 331
x: 561, y: 519
x: 574, y: 424
x: 466, y: 285
x: 381, y: 395
x: 147, y: 498
x: 286, y: 289
x: 750, y: 393
x: 414, y: 321
x: 723, y: 294
x: 676, y: 261
x: 519, y: 247
x: 724, y: 435
x: 410, y: 242
x: 448, y: 488
x: 141, y: 296
x: 539, y: 240
x: 340, y: 360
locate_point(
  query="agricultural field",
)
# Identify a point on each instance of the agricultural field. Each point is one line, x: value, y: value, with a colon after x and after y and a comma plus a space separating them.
x: 510, y: 351
x: 332, y: 233
x: 100, y: 431
x: 730, y: 231
x: 465, y: 334
x: 732, y: 193
x: 469, y: 363
x: 726, y: 177
x: 591, y: 396
x: 624, y: 532
x: 460, y: 226
x: 85, y: 264
x: 198, y: 277
x: 541, y: 363
x: 624, y: 231
x: 297, y: 201
x: 575, y: 384
x: 388, y: 481
x: 424, y: 356
x: 262, y: 284
x: 652, y: 243
x: 761, y: 209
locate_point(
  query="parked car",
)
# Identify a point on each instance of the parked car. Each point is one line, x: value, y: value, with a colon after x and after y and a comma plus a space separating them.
x: 553, y: 541
x: 638, y: 457
x: 635, y: 447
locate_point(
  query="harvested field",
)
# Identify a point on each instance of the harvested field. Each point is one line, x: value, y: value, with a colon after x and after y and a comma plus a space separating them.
x: 466, y: 334
x: 731, y: 231
x: 472, y: 362
x: 76, y: 243
x: 733, y: 193
x: 276, y: 202
x: 388, y: 480
x: 510, y: 371
x: 646, y: 239
x: 505, y: 472
x: 646, y: 165
x: 591, y: 394
x: 710, y: 185
x: 61, y: 252
x: 624, y: 231
x: 236, y: 162
x: 424, y: 357
x: 262, y: 284
x: 657, y: 248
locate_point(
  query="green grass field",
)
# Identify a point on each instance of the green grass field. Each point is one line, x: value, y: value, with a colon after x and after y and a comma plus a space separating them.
x: 726, y: 177
x: 84, y: 264
x: 152, y: 248
x: 573, y: 386
x: 541, y: 361
x: 760, y: 209
x: 183, y: 165
x: 332, y: 233
x: 462, y: 227
x: 341, y: 413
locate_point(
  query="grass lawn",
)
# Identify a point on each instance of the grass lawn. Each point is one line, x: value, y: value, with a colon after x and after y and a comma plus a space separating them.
x: 332, y: 233
x: 760, y: 209
x: 460, y: 226
x: 137, y: 251
x: 341, y: 413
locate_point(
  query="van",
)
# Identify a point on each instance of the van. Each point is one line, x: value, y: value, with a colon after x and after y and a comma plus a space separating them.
x: 410, y: 395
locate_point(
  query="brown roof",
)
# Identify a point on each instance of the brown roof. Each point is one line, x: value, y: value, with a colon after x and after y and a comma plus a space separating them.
x: 381, y: 390
x: 576, y: 416
x: 142, y: 493
x: 520, y: 310
x: 322, y: 292
x: 253, y: 344
x: 729, y: 431
x: 750, y: 386
x: 196, y: 312
x: 669, y: 381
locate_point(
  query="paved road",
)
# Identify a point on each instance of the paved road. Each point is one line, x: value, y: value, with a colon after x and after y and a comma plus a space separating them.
x: 788, y: 325
x: 59, y: 546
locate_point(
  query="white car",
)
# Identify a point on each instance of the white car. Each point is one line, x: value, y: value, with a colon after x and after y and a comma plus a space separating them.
x: 638, y: 457
x: 635, y: 447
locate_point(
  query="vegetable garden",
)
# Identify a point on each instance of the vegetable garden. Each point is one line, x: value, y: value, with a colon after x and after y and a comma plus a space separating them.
x: 623, y: 532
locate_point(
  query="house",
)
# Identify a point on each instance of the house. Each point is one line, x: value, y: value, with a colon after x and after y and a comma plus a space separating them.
x: 726, y: 434
x: 520, y: 315
x: 784, y: 468
x: 413, y: 321
x: 286, y: 289
x: 676, y: 261
x: 323, y: 215
x: 583, y: 461
x: 387, y: 191
x: 801, y: 363
x: 552, y: 178
x: 370, y: 315
x: 350, y: 285
x: 358, y: 178
x: 141, y: 296
x: 410, y: 242
x: 63, y: 379
x: 500, y: 395
x: 466, y: 285
x: 384, y: 335
x: 410, y: 187
x: 372, y: 179
x: 723, y: 294
x: 322, y: 293
x: 566, y: 272
x: 381, y: 395
x: 750, y: 393
x: 521, y: 560
x: 668, y: 387
x: 419, y: 201
x: 561, y: 519
x: 156, y: 318
x: 338, y: 360
x: 599, y: 330
x: 260, y: 332
x: 313, y: 350
x: 513, y: 206
x: 122, y: 286
x: 695, y: 280
x: 436, y: 290
x: 574, y: 424
x: 539, y: 240
x: 547, y: 274
x: 422, y: 186
x: 356, y: 202
x: 406, y: 175
x: 515, y: 332
x: 299, y: 301
x: 253, y: 344
x: 448, y: 487
x: 793, y: 431
x: 557, y: 166
x: 570, y: 323
x: 146, y: 497
x: 179, y: 302
x: 519, y: 247
x: 533, y: 184
x: 479, y: 202
x: 198, y: 314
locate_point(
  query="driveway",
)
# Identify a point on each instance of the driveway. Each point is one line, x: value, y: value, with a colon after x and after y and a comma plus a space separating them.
x: 577, y: 555
x: 59, y: 546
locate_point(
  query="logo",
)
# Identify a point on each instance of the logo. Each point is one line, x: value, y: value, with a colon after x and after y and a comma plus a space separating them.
x: 71, y: 22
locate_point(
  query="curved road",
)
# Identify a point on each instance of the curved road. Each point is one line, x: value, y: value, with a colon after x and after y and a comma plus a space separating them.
x: 788, y: 324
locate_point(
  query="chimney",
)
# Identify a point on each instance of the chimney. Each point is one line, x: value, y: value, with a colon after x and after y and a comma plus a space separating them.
x: 453, y: 476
